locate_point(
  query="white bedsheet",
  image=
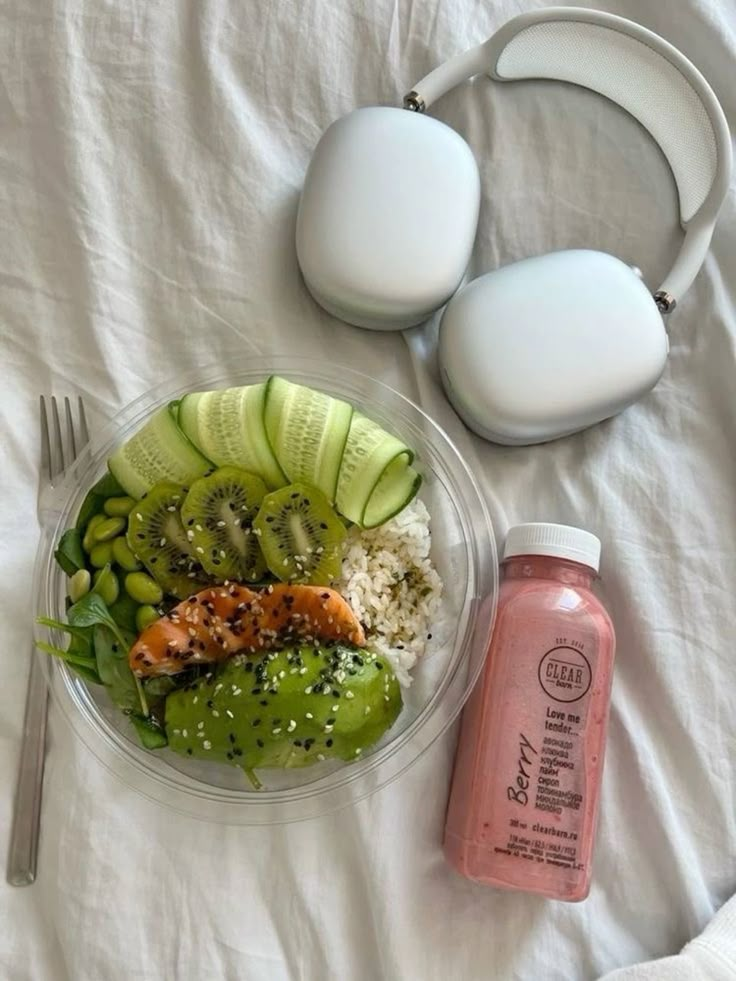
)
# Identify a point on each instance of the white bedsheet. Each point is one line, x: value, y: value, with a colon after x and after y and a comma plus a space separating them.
x: 150, y: 162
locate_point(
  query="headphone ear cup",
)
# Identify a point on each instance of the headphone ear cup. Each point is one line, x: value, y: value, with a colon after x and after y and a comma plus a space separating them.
x: 550, y: 345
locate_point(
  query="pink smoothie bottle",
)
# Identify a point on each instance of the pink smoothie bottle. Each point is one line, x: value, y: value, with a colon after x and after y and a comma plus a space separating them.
x: 524, y: 798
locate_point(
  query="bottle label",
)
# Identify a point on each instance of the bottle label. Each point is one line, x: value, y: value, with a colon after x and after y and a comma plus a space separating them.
x: 541, y: 752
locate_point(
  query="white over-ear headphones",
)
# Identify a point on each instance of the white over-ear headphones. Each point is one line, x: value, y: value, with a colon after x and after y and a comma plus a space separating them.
x: 547, y: 345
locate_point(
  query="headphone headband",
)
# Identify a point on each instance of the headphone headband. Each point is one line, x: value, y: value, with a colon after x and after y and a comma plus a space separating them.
x: 637, y: 70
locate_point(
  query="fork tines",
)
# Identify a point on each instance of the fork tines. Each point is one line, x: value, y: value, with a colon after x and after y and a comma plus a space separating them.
x: 53, y: 458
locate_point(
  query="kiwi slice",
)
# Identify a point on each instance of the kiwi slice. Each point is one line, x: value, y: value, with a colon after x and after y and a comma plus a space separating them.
x: 301, y: 536
x: 157, y: 538
x: 218, y: 518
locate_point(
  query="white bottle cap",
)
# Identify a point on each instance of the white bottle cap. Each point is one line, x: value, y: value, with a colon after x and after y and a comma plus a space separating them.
x: 561, y: 541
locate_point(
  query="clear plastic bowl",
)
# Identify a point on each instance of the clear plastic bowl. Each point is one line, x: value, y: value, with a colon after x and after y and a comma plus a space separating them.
x: 463, y: 550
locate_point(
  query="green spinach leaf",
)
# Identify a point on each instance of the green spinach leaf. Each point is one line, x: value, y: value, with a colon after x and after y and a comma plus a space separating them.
x: 150, y: 731
x: 91, y: 611
x: 70, y: 554
x: 79, y: 655
x: 112, y: 666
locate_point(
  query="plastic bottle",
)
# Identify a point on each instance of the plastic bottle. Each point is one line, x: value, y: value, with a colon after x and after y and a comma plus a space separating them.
x: 524, y: 799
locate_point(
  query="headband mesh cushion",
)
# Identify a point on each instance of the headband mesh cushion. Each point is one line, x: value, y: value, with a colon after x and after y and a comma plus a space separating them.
x: 636, y: 77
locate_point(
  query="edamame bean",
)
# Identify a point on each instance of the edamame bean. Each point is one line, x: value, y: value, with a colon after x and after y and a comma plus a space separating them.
x: 79, y: 584
x: 124, y: 556
x: 107, y: 585
x: 88, y: 541
x: 146, y: 615
x: 143, y: 588
x: 108, y: 528
x: 118, y: 507
x: 101, y: 554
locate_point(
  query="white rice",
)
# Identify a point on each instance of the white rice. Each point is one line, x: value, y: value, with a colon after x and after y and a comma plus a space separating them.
x: 392, y: 586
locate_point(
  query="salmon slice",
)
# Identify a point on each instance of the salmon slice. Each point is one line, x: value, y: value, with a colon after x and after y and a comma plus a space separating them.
x: 224, y: 620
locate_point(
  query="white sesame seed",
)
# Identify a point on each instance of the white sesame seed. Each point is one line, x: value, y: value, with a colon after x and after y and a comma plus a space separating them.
x: 367, y: 710
x: 200, y: 725
x: 275, y: 732
x: 184, y: 733
x: 349, y: 694
x: 216, y: 713
x: 228, y: 712
x: 199, y: 549
x: 222, y: 553
x: 195, y: 699
x: 308, y: 690
x: 207, y: 744
x: 320, y: 757
x: 139, y: 515
x: 328, y: 728
x: 220, y: 524
x: 292, y: 726
x: 177, y: 732
x: 358, y: 751
x: 309, y: 715
x: 302, y: 670
x: 335, y: 708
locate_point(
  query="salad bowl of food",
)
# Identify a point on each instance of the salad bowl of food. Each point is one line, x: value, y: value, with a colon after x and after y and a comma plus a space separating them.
x: 266, y: 590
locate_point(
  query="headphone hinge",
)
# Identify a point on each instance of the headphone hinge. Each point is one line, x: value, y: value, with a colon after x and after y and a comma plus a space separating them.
x: 665, y: 301
x: 414, y: 102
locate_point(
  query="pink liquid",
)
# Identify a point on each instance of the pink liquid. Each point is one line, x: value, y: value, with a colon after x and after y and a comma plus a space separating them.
x: 524, y: 799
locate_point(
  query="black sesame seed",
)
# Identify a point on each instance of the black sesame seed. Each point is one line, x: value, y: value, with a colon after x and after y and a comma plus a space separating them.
x: 238, y: 751
x: 189, y: 751
x: 255, y: 722
x: 260, y: 743
x: 328, y: 743
x: 231, y: 737
x: 264, y: 702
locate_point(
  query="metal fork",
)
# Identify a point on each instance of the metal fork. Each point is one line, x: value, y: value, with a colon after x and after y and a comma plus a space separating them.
x: 57, y: 453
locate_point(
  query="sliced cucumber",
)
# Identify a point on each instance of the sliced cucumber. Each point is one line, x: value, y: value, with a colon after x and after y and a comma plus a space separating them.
x: 158, y: 451
x: 368, y: 454
x: 396, y: 488
x: 227, y: 426
x: 307, y: 431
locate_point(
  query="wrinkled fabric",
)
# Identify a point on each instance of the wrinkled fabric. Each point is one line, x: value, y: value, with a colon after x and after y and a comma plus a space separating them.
x: 151, y: 158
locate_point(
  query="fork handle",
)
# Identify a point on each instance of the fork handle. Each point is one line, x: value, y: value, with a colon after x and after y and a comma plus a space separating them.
x: 27, y: 812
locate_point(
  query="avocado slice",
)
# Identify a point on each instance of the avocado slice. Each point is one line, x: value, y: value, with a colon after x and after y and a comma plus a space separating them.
x: 288, y: 708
